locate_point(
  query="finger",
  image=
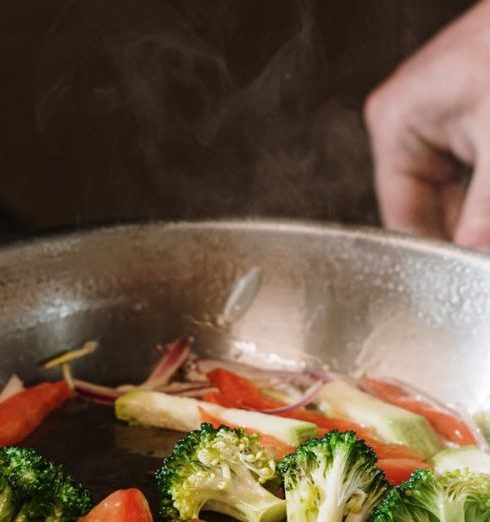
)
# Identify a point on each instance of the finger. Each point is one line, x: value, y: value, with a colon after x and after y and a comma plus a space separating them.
x: 410, y: 172
x: 473, y: 229
x: 410, y: 179
x: 452, y: 199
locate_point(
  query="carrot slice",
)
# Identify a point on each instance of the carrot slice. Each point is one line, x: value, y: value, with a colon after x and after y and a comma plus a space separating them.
x: 219, y: 399
x: 280, y: 448
x: 325, y: 424
x: 399, y: 470
x: 21, y: 414
x: 238, y: 392
x: 444, y: 423
x: 383, y: 450
x: 124, y: 505
x: 386, y: 450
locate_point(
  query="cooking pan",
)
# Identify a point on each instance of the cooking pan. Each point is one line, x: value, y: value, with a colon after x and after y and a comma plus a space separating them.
x: 359, y: 299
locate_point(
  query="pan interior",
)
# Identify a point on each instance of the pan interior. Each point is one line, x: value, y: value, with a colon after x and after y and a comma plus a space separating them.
x: 357, y: 299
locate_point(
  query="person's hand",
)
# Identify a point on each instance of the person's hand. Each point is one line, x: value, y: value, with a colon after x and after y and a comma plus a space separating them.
x: 434, y: 110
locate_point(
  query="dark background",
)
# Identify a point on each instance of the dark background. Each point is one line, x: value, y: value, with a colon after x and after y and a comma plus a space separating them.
x: 119, y: 110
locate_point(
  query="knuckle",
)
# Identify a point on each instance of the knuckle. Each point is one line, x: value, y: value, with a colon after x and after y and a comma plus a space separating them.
x: 380, y: 110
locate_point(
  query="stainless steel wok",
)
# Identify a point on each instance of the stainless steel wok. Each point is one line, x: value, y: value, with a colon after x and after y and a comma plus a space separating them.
x: 409, y: 309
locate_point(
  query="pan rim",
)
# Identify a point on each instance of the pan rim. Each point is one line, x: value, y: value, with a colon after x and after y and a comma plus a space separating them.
x: 315, y: 228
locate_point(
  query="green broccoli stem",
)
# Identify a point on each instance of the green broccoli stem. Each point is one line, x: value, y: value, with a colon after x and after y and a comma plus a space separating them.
x: 56, y: 515
x: 331, y: 511
x: 7, y: 508
x: 448, y: 509
x: 246, y: 500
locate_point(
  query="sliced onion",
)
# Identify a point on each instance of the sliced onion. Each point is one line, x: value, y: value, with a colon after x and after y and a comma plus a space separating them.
x: 95, y: 392
x: 283, y: 391
x: 187, y: 389
x: 177, y: 353
x: 329, y: 376
x: 197, y: 392
x: 105, y: 395
x: 309, y: 396
x: 176, y: 388
x: 13, y: 387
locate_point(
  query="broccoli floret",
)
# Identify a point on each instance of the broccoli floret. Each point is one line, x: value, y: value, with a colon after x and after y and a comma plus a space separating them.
x: 70, y: 500
x: 456, y: 496
x: 26, y: 471
x: 332, y: 479
x: 222, y: 470
x: 33, y: 489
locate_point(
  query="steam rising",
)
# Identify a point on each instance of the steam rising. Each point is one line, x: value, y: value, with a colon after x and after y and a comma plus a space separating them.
x: 204, y: 109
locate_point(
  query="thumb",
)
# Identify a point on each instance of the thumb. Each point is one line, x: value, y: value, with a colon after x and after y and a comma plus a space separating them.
x: 473, y: 229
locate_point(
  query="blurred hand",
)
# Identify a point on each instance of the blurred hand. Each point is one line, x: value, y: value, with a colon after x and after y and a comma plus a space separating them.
x: 433, y: 111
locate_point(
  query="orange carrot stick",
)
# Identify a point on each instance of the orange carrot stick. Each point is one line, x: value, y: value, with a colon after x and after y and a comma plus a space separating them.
x: 22, y: 413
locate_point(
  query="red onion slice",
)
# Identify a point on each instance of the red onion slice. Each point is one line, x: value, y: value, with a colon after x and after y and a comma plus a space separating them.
x: 176, y: 388
x: 309, y: 396
x: 178, y: 351
x: 95, y: 392
x: 197, y: 392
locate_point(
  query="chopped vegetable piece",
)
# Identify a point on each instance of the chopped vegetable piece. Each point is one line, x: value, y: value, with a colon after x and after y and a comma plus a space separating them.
x: 96, y: 393
x: 444, y: 422
x: 324, y: 424
x: 182, y: 414
x: 14, y: 385
x: 243, y: 392
x: 399, y: 470
x: 23, y: 413
x: 177, y: 353
x: 67, y: 376
x: 124, y: 505
x: 238, y: 392
x: 34, y: 489
x: 392, y: 423
x: 220, y: 399
x: 453, y: 497
x: 70, y: 355
x: 307, y: 398
x: 385, y: 450
x: 221, y: 470
x: 469, y: 457
x: 158, y: 409
x: 267, y: 441
x: 332, y: 479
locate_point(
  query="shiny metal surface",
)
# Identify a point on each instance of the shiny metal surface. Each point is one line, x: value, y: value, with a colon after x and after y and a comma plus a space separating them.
x: 410, y: 309
x: 357, y: 298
